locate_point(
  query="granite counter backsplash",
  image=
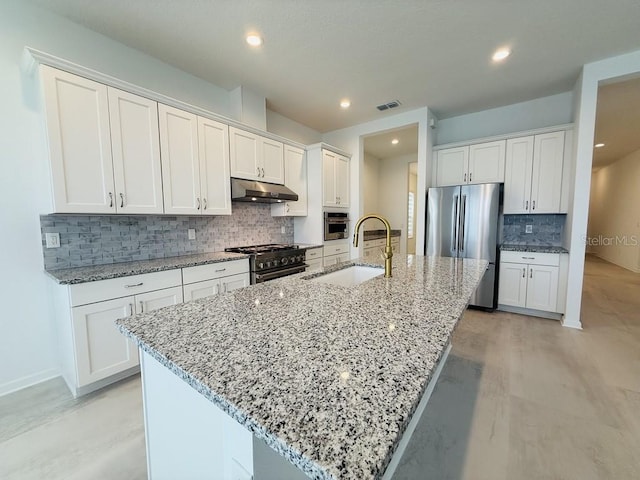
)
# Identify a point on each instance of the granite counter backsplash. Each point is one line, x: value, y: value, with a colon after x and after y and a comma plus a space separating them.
x: 87, y: 240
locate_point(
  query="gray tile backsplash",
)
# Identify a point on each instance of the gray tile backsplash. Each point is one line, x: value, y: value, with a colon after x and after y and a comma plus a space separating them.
x: 546, y: 230
x: 102, y: 239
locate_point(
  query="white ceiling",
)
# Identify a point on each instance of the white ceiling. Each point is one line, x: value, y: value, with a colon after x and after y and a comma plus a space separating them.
x: 617, y: 122
x: 380, y: 145
x: 421, y: 52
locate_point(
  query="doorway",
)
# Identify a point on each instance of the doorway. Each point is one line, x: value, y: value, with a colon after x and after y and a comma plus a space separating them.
x: 387, y: 182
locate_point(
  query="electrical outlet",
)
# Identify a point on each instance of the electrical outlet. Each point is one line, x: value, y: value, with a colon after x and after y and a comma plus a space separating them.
x: 283, y: 230
x: 52, y: 240
x: 528, y: 229
x: 192, y: 233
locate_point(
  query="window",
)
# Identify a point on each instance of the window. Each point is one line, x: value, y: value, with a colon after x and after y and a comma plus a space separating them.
x: 410, y: 208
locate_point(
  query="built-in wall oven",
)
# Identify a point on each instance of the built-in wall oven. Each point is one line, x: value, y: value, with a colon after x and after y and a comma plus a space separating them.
x: 336, y: 225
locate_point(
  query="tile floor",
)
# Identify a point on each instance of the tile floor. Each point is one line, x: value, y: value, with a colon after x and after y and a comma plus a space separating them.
x: 519, y: 398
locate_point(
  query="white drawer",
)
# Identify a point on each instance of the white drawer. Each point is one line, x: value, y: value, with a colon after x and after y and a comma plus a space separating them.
x: 101, y: 290
x: 214, y: 270
x: 529, y: 258
x: 314, y: 265
x: 313, y: 253
x: 336, y: 248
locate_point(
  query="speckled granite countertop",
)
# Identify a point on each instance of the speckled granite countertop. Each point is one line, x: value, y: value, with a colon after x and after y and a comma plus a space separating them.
x: 376, y: 234
x: 71, y: 276
x: 533, y: 248
x: 328, y: 376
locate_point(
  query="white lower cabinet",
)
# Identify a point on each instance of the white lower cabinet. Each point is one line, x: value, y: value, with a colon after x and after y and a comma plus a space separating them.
x: 530, y: 281
x: 206, y: 280
x: 335, y: 259
x: 313, y: 259
x: 335, y: 251
x: 373, y: 249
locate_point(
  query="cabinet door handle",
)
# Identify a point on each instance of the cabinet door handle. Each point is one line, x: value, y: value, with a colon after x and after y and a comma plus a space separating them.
x: 110, y: 200
x: 287, y: 208
x: 198, y: 203
x: 531, y: 273
x: 470, y: 177
x: 217, y: 289
x: 263, y: 173
x: 131, y: 309
x: 533, y: 205
x: 258, y: 169
x: 524, y: 272
x: 122, y: 200
x: 526, y: 205
x: 465, y: 178
x: 134, y: 285
x: 204, y: 203
x: 141, y: 306
x: 225, y: 287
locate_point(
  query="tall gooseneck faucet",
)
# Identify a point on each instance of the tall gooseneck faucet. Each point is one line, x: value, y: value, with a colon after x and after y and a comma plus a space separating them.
x: 388, y: 251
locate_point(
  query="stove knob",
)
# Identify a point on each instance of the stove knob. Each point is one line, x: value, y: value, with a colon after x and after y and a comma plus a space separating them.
x: 300, y: 258
x: 268, y: 264
x: 285, y: 260
x: 261, y: 265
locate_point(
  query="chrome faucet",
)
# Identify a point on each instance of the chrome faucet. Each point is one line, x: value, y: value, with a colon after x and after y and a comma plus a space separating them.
x: 388, y: 251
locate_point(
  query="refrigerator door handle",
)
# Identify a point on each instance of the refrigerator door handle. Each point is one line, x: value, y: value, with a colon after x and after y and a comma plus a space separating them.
x: 463, y: 214
x: 454, y: 240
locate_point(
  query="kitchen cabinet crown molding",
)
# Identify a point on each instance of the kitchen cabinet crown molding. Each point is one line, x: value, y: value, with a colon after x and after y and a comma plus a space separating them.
x: 326, y: 146
x: 32, y: 58
x: 505, y: 136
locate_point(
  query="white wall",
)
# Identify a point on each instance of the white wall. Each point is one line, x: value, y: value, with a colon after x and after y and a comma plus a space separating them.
x: 287, y: 128
x: 586, y: 93
x: 351, y: 140
x: 27, y: 339
x: 370, y: 186
x: 614, y: 217
x: 394, y: 188
x: 538, y: 113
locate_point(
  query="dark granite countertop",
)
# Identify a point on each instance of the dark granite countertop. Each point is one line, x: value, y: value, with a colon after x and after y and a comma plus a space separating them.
x: 328, y: 376
x: 533, y: 248
x: 71, y: 276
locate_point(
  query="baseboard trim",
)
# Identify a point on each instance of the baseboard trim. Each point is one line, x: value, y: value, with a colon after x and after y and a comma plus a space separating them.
x: 28, y: 381
x: 529, y: 312
x: 626, y: 267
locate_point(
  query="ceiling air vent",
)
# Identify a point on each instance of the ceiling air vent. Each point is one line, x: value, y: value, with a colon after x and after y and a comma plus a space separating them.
x: 387, y: 106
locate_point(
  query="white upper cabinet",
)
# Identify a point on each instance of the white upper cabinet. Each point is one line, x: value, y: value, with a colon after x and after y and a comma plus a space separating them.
x: 533, y: 174
x: 255, y: 157
x: 77, y: 114
x: 335, y: 179
x: 295, y: 178
x: 136, y: 153
x: 473, y: 164
x: 451, y: 166
x: 180, y: 161
x: 486, y: 162
x: 213, y: 139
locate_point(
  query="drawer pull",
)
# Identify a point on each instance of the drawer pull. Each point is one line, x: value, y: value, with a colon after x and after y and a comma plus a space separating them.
x: 134, y: 285
x: 529, y: 258
x: 221, y: 270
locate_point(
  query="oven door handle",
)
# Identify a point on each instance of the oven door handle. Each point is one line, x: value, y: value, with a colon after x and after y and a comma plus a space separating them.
x: 263, y: 277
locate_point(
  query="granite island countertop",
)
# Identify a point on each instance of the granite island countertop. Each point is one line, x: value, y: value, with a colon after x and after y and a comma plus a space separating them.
x: 72, y: 276
x: 532, y: 248
x: 327, y: 376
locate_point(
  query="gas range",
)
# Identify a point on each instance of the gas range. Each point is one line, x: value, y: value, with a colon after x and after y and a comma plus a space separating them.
x: 271, y: 261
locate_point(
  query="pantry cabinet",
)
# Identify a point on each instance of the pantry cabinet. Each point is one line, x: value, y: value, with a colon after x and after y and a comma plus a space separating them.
x: 195, y: 163
x: 533, y: 174
x: 335, y: 179
x: 295, y: 178
x: 473, y: 164
x: 254, y: 157
x: 529, y: 280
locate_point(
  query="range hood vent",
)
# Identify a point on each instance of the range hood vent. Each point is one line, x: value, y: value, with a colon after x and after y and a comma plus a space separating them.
x: 260, y: 192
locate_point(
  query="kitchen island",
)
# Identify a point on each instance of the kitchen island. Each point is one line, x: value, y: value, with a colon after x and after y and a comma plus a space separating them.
x: 329, y: 377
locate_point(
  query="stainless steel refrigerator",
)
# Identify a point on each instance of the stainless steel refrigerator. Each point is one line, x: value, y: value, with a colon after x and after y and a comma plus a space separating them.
x: 462, y: 221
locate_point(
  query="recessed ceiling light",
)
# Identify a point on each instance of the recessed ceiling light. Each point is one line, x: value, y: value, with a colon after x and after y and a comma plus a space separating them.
x: 395, y: 141
x: 599, y: 145
x: 254, y: 40
x: 345, y: 103
x: 501, y: 54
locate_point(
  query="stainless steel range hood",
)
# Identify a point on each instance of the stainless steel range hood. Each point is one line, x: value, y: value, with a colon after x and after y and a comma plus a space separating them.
x: 260, y: 192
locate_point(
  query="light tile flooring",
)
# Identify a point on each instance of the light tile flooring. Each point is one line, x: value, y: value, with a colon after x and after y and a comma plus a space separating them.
x: 519, y: 398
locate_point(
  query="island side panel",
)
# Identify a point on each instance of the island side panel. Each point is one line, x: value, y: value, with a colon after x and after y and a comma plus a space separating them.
x: 187, y: 436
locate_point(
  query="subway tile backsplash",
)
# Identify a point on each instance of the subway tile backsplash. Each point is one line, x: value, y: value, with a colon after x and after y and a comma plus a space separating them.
x: 546, y: 230
x: 103, y: 239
